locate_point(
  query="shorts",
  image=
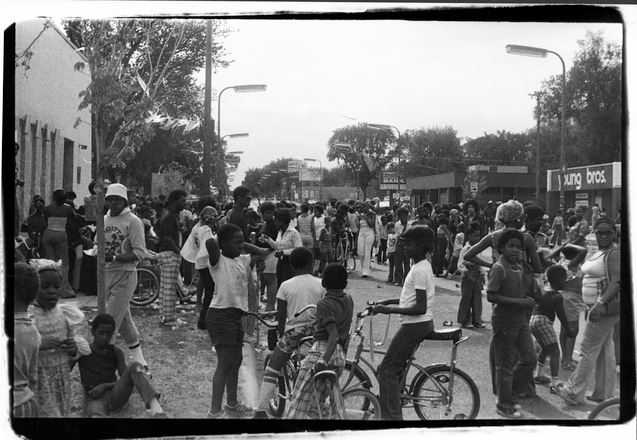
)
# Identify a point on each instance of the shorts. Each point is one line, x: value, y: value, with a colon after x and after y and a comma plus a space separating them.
x: 291, y: 339
x: 225, y: 326
x: 543, y: 331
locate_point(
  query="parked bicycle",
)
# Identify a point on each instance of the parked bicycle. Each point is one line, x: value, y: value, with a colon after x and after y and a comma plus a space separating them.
x: 609, y: 409
x: 438, y: 391
x: 147, y: 291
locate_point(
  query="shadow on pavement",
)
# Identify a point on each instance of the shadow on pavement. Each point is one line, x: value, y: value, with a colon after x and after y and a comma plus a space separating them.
x: 542, y: 409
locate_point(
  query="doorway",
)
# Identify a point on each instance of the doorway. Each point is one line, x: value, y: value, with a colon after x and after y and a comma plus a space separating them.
x: 67, y: 166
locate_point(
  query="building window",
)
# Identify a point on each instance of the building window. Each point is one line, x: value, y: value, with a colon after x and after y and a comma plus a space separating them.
x: 44, y: 135
x: 79, y: 175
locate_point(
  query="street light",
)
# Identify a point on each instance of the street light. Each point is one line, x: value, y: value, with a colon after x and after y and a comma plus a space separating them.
x: 309, y: 159
x: 244, y: 88
x: 539, y: 52
x: 235, y: 135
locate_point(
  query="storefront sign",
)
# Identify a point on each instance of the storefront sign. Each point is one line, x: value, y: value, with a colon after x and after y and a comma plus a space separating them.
x: 389, y: 181
x: 584, y: 178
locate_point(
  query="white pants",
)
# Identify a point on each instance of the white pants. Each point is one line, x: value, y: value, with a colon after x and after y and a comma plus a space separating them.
x: 365, y: 244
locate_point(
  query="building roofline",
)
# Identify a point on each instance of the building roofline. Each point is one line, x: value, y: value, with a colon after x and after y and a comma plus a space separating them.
x: 65, y: 38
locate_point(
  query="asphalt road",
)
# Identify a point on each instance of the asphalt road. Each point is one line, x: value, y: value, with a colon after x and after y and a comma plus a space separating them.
x: 472, y: 355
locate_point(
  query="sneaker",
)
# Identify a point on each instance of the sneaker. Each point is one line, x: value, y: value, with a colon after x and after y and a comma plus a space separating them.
x: 566, y: 395
x: 260, y: 415
x: 479, y: 325
x: 216, y: 415
x: 542, y: 380
x: 593, y: 399
x: 509, y: 413
x: 238, y: 411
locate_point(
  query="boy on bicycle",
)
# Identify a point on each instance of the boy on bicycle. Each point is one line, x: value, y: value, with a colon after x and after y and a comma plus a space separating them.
x: 415, y: 307
x: 293, y: 298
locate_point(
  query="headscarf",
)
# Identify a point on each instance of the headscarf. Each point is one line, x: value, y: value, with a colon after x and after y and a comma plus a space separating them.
x: 509, y: 212
x: 42, y: 264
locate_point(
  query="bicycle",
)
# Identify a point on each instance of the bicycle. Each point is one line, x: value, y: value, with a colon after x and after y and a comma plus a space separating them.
x: 289, y: 373
x: 343, y: 253
x: 147, y: 290
x: 609, y: 409
x: 436, y: 391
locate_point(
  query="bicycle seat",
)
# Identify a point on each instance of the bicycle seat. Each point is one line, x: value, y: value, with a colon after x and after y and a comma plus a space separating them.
x: 445, y: 334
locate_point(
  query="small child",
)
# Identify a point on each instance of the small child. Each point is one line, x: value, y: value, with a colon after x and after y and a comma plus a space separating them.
x: 325, y: 245
x: 230, y: 269
x: 26, y: 340
x: 59, y: 325
x: 471, y: 284
x: 268, y: 275
x: 331, y: 335
x: 392, y: 240
x: 295, y: 297
x: 104, y: 391
x: 513, y: 295
x: 549, y: 305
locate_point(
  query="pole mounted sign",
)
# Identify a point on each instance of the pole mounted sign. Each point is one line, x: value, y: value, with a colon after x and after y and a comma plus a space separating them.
x: 604, y: 176
x: 389, y: 181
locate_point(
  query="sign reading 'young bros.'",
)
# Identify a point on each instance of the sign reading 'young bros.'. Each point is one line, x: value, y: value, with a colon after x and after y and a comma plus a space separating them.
x: 592, y: 177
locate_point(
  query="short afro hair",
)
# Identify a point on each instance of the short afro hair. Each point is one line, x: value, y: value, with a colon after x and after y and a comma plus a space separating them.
x: 334, y: 277
x: 556, y: 275
x: 402, y: 210
x: 421, y: 235
x: 283, y: 215
x: 301, y: 257
x: 267, y: 206
x: 240, y: 191
x: 102, y: 319
x: 507, y: 235
x: 175, y: 195
x: 26, y: 282
x: 533, y: 213
x: 227, y: 231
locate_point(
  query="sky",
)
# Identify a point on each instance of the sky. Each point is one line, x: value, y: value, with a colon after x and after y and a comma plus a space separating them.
x: 321, y: 74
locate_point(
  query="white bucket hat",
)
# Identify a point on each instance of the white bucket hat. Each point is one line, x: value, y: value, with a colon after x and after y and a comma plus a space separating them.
x: 117, y: 189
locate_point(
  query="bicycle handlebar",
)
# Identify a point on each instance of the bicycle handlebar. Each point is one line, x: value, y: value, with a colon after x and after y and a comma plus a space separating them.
x: 307, y: 307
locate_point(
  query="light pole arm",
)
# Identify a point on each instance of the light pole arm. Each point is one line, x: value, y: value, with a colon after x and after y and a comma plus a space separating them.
x: 219, y: 113
x: 562, y: 131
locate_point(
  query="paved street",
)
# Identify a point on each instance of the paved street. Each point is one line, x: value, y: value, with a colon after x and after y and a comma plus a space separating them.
x: 182, y: 362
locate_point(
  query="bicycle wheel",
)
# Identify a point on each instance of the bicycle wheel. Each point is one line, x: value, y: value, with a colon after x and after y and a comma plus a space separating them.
x: 277, y: 403
x: 353, y: 376
x: 361, y: 404
x: 434, y: 400
x: 607, y: 410
x: 147, y: 289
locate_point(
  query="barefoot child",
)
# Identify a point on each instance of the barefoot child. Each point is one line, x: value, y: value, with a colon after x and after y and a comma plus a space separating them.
x: 511, y: 292
x: 105, y: 392
x: 331, y: 333
x: 230, y: 270
x: 26, y: 340
x: 58, y: 325
x: 549, y: 305
x: 294, y: 297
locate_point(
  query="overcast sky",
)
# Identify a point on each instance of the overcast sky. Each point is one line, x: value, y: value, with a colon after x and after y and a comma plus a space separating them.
x: 409, y: 74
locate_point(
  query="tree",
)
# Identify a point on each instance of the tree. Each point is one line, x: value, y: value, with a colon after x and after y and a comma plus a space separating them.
x: 136, y: 67
x: 594, y: 102
x: 370, y: 150
x: 268, y: 180
x: 431, y: 151
x: 501, y: 148
x: 337, y: 176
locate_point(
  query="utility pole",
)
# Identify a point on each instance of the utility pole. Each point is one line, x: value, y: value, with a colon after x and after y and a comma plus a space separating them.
x: 537, y: 95
x: 207, y: 126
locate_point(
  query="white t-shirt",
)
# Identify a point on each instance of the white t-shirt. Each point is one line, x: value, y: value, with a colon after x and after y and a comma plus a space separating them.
x: 420, y: 277
x: 298, y: 292
x: 231, y: 282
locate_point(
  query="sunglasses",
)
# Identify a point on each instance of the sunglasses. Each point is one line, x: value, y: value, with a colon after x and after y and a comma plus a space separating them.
x: 604, y: 232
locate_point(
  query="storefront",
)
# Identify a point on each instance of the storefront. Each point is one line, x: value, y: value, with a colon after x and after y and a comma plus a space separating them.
x: 585, y: 186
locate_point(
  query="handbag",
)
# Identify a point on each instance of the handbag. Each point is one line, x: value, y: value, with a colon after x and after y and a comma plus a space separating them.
x: 612, y: 306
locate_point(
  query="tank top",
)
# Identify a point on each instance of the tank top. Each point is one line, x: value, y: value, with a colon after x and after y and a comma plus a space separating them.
x: 319, y: 225
x: 305, y: 225
x: 594, y: 271
x: 98, y: 368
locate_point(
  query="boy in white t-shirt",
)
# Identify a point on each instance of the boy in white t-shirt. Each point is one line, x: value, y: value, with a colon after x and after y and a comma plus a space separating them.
x: 296, y: 318
x: 416, y: 309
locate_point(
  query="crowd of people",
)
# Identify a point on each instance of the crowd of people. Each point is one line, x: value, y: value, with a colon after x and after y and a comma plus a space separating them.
x: 535, y: 267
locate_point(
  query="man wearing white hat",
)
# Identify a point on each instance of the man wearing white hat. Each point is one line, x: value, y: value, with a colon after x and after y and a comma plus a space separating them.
x: 125, y: 246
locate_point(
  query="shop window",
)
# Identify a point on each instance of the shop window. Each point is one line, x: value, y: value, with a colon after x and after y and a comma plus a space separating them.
x: 52, y: 161
x: 34, y: 155
x: 79, y: 175
x: 44, y: 136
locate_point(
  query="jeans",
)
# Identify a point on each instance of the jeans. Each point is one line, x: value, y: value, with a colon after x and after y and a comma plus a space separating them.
x: 116, y: 397
x: 512, y: 342
x: 365, y: 243
x: 270, y: 284
x: 401, y: 265
x: 381, y: 255
x: 471, y: 302
x: 392, y: 369
x: 120, y: 286
x: 597, y: 362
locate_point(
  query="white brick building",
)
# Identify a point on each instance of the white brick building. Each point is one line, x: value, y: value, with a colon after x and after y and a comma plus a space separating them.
x: 55, y: 151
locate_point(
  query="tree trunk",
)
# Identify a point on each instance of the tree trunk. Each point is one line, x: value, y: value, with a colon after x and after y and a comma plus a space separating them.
x: 99, y: 217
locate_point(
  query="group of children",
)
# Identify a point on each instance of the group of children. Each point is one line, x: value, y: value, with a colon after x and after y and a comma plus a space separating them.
x: 48, y: 344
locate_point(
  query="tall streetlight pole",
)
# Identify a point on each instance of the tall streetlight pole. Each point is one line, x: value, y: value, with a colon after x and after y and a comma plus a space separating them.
x: 208, y: 126
x: 537, y: 95
x: 320, y: 174
x: 388, y: 127
x: 542, y: 53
